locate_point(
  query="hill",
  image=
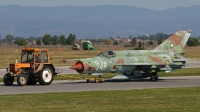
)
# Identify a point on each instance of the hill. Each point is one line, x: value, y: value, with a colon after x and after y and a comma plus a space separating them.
x: 96, y: 21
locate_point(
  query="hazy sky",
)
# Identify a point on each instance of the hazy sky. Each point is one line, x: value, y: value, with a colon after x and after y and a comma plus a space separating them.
x: 150, y: 4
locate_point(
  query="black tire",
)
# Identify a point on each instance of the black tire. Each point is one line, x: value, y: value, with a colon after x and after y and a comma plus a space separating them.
x: 21, y: 79
x: 8, y: 80
x: 154, y: 77
x: 46, y: 75
x: 31, y: 81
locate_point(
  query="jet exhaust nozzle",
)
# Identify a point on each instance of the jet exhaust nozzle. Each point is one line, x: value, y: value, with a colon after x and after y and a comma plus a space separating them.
x: 78, y: 67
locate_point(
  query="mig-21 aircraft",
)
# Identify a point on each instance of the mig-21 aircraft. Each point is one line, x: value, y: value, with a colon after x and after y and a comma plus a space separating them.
x: 133, y: 64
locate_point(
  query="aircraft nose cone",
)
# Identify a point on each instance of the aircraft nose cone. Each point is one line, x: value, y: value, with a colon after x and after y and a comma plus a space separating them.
x: 78, y: 67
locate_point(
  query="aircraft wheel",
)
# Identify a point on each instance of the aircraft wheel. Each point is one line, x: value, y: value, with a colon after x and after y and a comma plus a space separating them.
x: 154, y: 76
x: 8, y: 80
x: 21, y: 79
x: 46, y: 75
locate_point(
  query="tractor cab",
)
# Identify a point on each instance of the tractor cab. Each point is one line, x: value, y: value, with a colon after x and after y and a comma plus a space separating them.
x: 34, y: 56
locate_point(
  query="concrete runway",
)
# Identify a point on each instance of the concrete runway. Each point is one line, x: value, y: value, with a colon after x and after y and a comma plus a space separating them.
x: 81, y: 85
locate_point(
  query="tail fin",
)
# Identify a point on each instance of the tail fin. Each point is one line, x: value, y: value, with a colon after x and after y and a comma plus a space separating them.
x: 175, y: 43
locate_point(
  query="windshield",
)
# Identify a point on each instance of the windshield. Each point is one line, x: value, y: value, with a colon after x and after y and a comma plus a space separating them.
x: 27, y: 56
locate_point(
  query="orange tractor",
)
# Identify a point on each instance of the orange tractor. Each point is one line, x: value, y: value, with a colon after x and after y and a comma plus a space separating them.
x: 34, y: 67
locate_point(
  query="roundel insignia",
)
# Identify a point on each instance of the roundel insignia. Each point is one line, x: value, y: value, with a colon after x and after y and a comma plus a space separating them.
x: 171, y: 45
x: 167, y: 60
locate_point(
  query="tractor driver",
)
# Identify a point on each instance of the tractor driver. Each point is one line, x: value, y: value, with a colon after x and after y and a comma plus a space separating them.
x: 37, y: 58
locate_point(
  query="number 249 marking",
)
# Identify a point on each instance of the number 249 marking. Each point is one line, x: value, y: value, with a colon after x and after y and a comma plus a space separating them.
x: 101, y: 65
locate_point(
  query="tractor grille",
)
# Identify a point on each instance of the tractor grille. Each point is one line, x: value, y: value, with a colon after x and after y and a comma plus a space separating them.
x: 12, y: 68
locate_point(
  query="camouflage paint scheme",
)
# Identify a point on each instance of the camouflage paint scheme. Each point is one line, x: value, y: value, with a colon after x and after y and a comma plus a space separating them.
x: 167, y: 56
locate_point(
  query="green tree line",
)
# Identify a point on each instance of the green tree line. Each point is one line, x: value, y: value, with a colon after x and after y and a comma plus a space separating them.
x: 47, y: 39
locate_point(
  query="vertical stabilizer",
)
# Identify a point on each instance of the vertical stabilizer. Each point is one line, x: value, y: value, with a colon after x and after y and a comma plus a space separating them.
x: 175, y: 43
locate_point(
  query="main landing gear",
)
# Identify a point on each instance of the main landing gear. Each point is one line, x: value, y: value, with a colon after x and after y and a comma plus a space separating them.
x: 154, y: 76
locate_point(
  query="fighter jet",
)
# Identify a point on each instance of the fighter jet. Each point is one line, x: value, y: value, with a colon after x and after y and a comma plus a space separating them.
x: 133, y: 64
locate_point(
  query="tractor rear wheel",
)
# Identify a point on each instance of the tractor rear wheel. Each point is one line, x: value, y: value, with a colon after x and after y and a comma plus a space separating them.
x: 21, y: 79
x: 8, y: 80
x: 46, y: 75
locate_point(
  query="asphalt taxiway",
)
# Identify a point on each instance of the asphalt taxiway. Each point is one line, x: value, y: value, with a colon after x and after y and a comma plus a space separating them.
x: 82, y: 85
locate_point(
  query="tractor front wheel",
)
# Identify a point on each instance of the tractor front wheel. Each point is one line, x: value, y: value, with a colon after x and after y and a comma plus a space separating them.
x: 8, y: 80
x: 21, y: 79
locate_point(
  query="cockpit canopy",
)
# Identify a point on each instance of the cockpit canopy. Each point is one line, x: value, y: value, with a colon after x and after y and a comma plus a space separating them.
x: 106, y: 54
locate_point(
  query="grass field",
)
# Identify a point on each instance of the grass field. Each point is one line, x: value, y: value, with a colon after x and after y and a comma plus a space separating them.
x: 150, y: 100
